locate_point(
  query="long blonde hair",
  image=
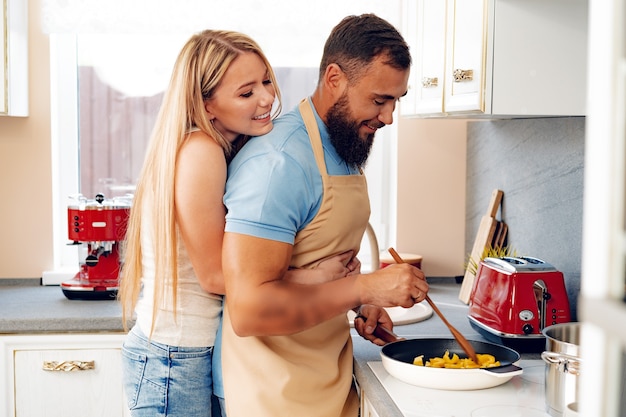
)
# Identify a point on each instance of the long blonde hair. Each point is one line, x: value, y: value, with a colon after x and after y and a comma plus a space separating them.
x: 198, y: 71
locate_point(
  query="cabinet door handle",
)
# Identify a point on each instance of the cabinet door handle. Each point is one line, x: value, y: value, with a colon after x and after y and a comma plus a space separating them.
x: 68, y: 366
x: 463, y: 75
x: 428, y: 82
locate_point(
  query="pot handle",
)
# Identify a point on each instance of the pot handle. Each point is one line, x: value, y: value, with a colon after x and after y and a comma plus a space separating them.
x: 504, y: 371
x: 565, y: 363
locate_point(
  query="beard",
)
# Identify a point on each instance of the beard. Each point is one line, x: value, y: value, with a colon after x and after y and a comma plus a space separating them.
x: 344, y: 134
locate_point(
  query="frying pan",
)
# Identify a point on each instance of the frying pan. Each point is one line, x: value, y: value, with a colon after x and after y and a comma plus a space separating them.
x: 397, y: 358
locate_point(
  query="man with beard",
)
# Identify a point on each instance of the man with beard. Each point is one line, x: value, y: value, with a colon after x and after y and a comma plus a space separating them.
x: 295, y: 197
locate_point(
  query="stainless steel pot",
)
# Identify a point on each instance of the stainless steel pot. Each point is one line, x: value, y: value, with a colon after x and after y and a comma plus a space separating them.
x: 562, y: 360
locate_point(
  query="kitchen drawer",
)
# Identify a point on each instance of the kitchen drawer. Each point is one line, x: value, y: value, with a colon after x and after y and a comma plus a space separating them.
x: 73, y: 375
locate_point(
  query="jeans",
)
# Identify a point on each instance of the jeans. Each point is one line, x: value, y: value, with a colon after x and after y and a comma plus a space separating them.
x: 166, y: 381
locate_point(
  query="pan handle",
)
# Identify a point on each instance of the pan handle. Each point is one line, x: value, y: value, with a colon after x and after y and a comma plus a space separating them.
x: 382, y: 333
x: 387, y: 335
x: 504, y: 371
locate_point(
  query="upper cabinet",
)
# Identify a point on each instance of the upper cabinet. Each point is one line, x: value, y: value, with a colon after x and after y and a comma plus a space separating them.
x: 14, y: 65
x: 498, y: 58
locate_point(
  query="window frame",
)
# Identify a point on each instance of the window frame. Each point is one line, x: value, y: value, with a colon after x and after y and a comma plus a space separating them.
x: 65, y: 152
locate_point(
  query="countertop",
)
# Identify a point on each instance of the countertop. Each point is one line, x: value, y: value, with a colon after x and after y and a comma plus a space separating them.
x: 28, y: 307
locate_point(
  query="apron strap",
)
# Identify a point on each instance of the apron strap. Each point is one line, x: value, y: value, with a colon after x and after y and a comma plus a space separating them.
x: 314, y: 134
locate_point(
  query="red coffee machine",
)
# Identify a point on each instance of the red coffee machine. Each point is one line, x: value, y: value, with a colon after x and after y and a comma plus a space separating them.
x: 98, y: 227
x: 514, y: 298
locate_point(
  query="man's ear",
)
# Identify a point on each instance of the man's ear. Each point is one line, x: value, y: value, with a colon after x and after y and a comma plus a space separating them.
x: 335, y: 80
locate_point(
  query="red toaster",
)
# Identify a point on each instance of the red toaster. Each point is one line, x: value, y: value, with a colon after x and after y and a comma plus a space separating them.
x: 514, y: 298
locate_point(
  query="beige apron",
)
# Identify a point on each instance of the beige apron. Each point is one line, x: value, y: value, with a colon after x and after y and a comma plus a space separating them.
x: 307, y: 374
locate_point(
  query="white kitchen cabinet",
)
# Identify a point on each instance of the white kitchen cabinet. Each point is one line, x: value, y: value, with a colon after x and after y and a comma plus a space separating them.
x: 496, y: 58
x: 14, y: 65
x: 367, y: 409
x: 464, y: 77
x: 424, y: 30
x: 62, y: 375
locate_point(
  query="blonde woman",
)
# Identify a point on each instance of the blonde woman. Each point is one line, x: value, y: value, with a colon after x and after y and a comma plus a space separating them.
x: 221, y: 92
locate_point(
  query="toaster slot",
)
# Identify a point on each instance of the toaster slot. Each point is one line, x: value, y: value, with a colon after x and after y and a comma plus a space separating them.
x: 541, y: 296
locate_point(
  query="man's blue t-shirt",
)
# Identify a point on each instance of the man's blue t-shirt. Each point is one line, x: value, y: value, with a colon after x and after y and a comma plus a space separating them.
x: 274, y: 187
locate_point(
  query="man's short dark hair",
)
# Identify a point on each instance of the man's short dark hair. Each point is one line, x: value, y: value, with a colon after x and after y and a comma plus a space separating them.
x: 357, y: 40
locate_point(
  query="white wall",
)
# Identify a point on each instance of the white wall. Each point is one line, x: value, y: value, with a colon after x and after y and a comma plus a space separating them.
x: 25, y: 169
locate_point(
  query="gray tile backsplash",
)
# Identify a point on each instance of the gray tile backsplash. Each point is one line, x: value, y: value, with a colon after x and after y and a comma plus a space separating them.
x: 538, y: 164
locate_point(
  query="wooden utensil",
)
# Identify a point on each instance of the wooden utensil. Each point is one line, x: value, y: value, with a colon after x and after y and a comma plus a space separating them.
x: 484, y: 237
x: 463, y: 342
x: 496, y: 234
x: 500, y: 237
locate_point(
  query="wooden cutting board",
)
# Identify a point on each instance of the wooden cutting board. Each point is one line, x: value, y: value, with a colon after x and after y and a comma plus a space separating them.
x: 484, y: 238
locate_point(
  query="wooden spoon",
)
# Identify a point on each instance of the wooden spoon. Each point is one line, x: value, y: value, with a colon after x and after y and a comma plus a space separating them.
x: 465, y: 344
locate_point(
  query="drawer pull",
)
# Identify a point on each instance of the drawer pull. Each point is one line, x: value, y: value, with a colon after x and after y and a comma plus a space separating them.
x: 463, y: 75
x: 68, y: 366
x: 428, y: 82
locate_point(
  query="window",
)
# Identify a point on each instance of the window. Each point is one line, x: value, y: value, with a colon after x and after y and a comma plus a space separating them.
x: 108, y: 76
x: 119, y: 96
